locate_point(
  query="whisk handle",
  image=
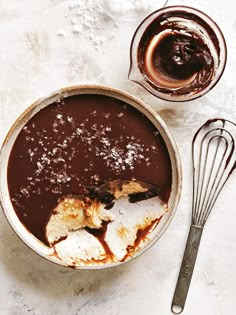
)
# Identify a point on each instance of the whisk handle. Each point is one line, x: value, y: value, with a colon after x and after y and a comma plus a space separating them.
x: 186, y: 269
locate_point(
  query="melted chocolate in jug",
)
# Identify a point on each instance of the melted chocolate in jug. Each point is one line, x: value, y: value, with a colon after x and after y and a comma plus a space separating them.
x: 175, y: 59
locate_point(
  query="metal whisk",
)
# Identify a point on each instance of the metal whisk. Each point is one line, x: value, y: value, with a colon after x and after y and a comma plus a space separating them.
x: 214, y: 159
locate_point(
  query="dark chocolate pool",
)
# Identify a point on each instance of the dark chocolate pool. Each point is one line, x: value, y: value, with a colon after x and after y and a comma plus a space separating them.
x: 79, y: 141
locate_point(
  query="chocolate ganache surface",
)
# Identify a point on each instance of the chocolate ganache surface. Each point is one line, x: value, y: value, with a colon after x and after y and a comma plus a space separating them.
x: 80, y: 141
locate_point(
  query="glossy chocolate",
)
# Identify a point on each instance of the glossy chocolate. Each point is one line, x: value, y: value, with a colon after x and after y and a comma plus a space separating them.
x: 174, y: 59
x: 80, y: 141
x: 100, y: 234
x: 140, y: 236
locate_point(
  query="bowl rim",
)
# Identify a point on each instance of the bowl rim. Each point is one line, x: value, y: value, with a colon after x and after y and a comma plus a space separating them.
x: 31, y: 110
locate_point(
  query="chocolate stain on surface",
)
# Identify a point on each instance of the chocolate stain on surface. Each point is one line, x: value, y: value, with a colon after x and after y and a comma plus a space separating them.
x: 122, y: 232
x: 38, y: 47
x: 173, y: 117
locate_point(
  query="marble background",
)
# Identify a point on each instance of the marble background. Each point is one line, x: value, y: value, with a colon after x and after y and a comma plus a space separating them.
x: 43, y: 49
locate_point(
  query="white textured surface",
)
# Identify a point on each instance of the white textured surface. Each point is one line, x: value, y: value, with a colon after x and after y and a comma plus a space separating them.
x: 127, y: 217
x: 41, y: 53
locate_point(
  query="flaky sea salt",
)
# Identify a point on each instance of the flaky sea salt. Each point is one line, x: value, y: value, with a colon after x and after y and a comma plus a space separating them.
x: 116, y: 153
x: 79, y: 131
x: 86, y: 17
x: 24, y: 192
x: 70, y: 119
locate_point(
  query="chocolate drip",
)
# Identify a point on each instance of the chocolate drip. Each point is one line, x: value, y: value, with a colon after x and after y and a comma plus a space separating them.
x: 143, y: 195
x: 100, y: 234
x: 140, y: 236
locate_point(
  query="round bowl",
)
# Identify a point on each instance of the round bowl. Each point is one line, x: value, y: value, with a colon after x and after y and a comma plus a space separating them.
x: 28, y: 238
x: 180, y: 21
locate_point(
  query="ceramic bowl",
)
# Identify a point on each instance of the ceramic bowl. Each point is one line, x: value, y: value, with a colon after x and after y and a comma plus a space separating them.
x: 28, y: 238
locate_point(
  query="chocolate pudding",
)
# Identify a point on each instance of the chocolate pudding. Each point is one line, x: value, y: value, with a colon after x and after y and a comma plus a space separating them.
x: 178, y: 53
x: 85, y: 149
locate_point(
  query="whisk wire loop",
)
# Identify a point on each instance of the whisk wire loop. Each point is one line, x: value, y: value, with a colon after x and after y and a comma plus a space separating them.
x: 209, y: 170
